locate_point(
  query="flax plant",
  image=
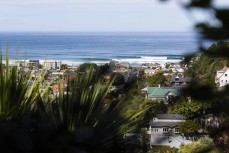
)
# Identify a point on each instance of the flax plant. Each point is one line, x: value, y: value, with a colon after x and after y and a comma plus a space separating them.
x: 81, y: 113
x: 17, y: 95
x: 76, y: 120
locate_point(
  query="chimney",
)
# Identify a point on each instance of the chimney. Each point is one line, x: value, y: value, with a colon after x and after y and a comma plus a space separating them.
x: 159, y: 86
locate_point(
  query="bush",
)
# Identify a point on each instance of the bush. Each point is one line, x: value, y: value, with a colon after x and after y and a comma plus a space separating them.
x: 201, y: 146
x: 163, y: 149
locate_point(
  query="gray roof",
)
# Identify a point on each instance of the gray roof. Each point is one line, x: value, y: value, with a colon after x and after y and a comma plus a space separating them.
x: 164, y: 124
x: 171, y: 116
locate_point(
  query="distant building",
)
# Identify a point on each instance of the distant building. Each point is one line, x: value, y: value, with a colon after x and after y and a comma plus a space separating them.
x: 52, y: 65
x: 211, y: 120
x: 149, y: 72
x: 63, y: 75
x: 57, y: 87
x: 151, y: 65
x: 174, y: 67
x: 180, y: 80
x: 33, y: 63
x: 119, y: 66
x: 222, y: 77
x: 21, y: 63
x: 166, y: 94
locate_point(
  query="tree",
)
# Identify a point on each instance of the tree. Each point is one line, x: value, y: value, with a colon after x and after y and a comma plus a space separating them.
x: 103, y: 69
x: 87, y: 66
x: 202, y: 70
x: 155, y: 108
x: 189, y: 127
x: 157, y: 79
x: 64, y: 67
x: 188, y: 109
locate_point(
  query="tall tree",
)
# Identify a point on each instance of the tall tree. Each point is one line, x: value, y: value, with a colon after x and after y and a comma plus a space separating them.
x: 157, y: 79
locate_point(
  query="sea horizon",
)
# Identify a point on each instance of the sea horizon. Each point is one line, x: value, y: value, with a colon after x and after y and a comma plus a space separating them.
x: 99, y: 47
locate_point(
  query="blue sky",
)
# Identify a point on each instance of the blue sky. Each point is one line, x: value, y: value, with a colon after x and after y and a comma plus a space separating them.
x: 92, y: 16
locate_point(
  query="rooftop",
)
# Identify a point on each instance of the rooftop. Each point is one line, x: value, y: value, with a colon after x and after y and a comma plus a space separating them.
x: 162, y: 91
x: 171, y: 116
x: 164, y: 124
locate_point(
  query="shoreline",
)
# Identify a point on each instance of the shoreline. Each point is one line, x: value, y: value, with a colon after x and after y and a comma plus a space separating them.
x: 132, y: 61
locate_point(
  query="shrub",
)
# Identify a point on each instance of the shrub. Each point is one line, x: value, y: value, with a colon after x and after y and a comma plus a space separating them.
x: 201, y: 146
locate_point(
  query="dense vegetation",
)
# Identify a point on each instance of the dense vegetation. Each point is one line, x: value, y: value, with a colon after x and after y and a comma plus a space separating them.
x: 188, y: 109
x: 189, y: 127
x: 204, y: 89
x: 158, y: 79
x: 74, y: 121
x: 204, y: 68
x: 203, y: 145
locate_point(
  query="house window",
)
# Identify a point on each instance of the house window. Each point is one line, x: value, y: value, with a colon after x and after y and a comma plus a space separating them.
x: 177, y: 130
x: 154, y: 130
x: 225, y: 74
x: 221, y: 80
x: 177, y: 79
x: 165, y: 129
x: 226, y: 80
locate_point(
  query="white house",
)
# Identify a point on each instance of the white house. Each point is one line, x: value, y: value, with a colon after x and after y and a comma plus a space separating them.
x: 165, y: 124
x: 149, y: 71
x: 222, y: 77
x: 164, y: 131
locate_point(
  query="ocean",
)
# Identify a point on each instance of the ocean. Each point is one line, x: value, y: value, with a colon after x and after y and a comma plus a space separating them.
x: 77, y: 48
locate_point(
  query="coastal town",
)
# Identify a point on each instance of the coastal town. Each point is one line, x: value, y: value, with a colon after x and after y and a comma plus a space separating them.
x: 114, y: 76
x: 175, y: 119
x: 57, y: 71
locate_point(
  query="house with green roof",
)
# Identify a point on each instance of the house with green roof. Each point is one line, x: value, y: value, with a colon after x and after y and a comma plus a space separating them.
x: 166, y: 94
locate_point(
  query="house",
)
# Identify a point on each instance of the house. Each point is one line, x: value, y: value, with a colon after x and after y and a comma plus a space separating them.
x: 57, y: 87
x: 33, y: 63
x: 180, y: 80
x: 165, y: 124
x: 122, y: 67
x: 59, y: 75
x: 211, y: 120
x: 174, y: 67
x: 149, y: 72
x: 151, y: 66
x: 119, y: 66
x: 164, y: 131
x: 21, y: 63
x: 222, y: 77
x: 166, y: 94
x: 64, y: 75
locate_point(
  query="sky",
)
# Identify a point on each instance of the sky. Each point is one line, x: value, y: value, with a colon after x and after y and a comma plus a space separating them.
x: 93, y: 16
